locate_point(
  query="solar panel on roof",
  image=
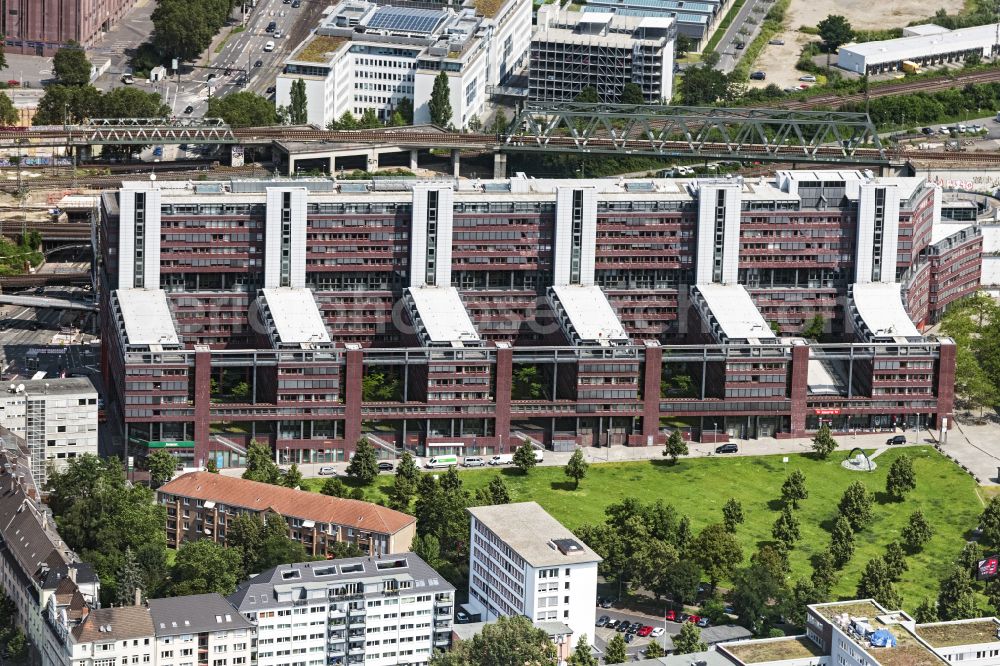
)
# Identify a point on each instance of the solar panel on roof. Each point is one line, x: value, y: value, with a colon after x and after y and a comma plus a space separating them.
x: 405, y: 19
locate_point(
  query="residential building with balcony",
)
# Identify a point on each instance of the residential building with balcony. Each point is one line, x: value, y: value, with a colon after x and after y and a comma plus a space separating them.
x: 202, y: 505
x: 257, y: 309
x: 200, y: 629
x: 367, y: 56
x: 572, y: 50
x: 379, y: 611
x: 522, y: 561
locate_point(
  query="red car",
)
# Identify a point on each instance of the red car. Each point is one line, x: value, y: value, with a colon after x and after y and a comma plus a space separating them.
x: 671, y: 616
x: 694, y: 618
x: 646, y: 630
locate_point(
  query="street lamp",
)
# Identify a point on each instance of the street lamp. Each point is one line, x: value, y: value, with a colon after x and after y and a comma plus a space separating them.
x: 715, y: 431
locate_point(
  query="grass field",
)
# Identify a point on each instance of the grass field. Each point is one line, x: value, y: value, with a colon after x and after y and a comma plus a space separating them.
x: 699, y: 487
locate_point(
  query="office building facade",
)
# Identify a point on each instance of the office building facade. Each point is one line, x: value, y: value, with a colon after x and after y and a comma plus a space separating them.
x: 42, y: 27
x: 255, y: 309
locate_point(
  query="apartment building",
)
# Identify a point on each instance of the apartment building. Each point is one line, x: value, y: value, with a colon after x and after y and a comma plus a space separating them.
x: 608, y: 289
x: 366, y: 56
x: 41, y: 27
x: 202, y: 629
x: 56, y: 418
x: 572, y: 50
x: 522, y: 561
x: 377, y: 611
x: 201, y: 505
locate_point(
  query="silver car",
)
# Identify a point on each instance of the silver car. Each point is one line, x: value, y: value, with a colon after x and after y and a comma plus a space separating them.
x: 474, y: 462
x: 327, y: 471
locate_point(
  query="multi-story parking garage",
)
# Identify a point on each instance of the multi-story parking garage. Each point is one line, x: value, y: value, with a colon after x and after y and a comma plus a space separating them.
x: 451, y: 316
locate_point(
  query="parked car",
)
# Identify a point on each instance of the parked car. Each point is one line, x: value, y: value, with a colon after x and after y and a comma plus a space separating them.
x: 644, y: 631
x: 808, y: 78
x: 927, y: 130
x: 896, y: 439
x: 694, y: 619
x: 622, y: 627
x: 703, y: 622
x: 758, y: 75
x: 670, y: 616
x: 656, y: 632
x: 473, y: 461
x: 682, y: 617
x: 776, y: 42
x: 636, y: 626
x: 385, y: 466
x: 604, y: 602
x: 504, y: 459
x: 603, y: 621
x: 727, y: 448
x: 327, y: 471
x: 629, y: 638
x: 270, y: 90
x: 461, y: 617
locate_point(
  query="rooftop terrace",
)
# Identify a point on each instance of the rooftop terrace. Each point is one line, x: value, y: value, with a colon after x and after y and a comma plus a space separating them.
x: 949, y: 634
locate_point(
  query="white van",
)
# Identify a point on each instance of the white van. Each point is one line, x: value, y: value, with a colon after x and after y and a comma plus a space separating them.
x: 505, y: 459
x: 442, y: 461
x: 269, y: 47
x: 539, y: 455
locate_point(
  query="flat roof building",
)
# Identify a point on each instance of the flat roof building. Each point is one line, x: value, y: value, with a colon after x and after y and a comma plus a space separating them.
x: 367, y: 56
x: 201, y: 504
x: 42, y: 27
x: 573, y: 50
x: 522, y: 561
x: 925, y: 45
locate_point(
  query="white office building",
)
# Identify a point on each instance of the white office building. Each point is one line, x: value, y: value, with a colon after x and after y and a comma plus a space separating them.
x: 365, y: 56
x: 56, y: 418
x: 522, y: 561
x: 378, y: 611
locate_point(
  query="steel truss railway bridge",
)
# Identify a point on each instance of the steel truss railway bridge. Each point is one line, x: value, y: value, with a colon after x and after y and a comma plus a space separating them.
x: 570, y: 128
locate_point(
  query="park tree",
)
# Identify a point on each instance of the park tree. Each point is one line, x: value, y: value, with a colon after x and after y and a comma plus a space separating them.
x: 732, y: 514
x: 786, y: 529
x: 364, y: 462
x: 260, y: 465
x: 756, y: 585
x: 676, y: 447
x: 161, y: 465
x: 440, y: 102
x: 685, y: 535
x: 968, y: 559
x: 989, y: 523
x: 993, y: 593
x: 688, y: 641
x: 956, y: 596
x: 509, y: 640
x: 824, y: 573
x: 895, y: 560
x: 100, y: 515
x: 524, y: 457
x: 682, y: 45
x: 841, y: 542
x: 682, y: 582
x: 616, y: 651
x: 243, y: 109
x: 815, y: 328
x: 404, y: 484
x: 440, y: 510
x: 67, y: 104
x: 632, y: 94
x: 802, y: 594
x: 917, y: 532
x: 298, y: 111
x: 335, y: 487
x: 582, y: 655
x: 901, y: 478
x: 292, y: 478
x: 717, y: 552
x: 203, y: 566
x: 834, y: 30
x: 926, y: 612
x: 856, y: 505
x: 576, y: 468
x: 495, y: 492
x: 8, y: 114
x: 653, y: 650
x: 793, y: 490
x: 823, y: 443
x: 651, y: 566
x: 70, y: 65
x: 876, y: 583
x: 128, y: 579
x: 132, y: 103
x: 704, y: 85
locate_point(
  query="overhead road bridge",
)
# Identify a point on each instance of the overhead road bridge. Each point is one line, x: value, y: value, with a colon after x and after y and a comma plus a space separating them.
x: 43, y: 302
x: 657, y: 131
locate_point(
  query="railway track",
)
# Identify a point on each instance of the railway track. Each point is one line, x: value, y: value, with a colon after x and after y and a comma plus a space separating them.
x: 933, y: 85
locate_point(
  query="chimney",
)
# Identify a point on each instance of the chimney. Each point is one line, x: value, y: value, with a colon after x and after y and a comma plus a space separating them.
x: 72, y: 572
x: 138, y: 596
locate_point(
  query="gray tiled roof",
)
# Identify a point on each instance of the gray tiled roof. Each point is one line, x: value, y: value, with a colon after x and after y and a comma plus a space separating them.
x: 195, y: 614
x: 258, y: 591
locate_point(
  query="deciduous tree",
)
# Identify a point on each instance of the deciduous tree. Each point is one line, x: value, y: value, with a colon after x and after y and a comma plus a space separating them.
x: 576, y: 468
x: 786, y: 529
x: 8, y: 114
x: 495, y: 492
x: 298, y: 110
x: 616, y: 651
x: 989, y: 523
x: 856, y: 505
x: 823, y: 443
x: 582, y: 655
x: 926, y: 612
x: 676, y: 447
x: 509, y: 640
x: 732, y: 514
x: 161, y: 466
x: 815, y: 328
x: 364, y: 462
x: 876, y: 583
x: 243, y: 109
x: 895, y: 560
x: 203, y: 566
x: 917, y: 532
x: 632, y: 94
x: 794, y: 490
x: 718, y: 552
x: 956, y: 596
x: 70, y: 65
x: 524, y: 457
x: 292, y: 478
x: 824, y: 573
x: 841, y: 542
x: 440, y: 102
x: 260, y: 465
x: 901, y: 478
x: 688, y: 641
x: 404, y: 484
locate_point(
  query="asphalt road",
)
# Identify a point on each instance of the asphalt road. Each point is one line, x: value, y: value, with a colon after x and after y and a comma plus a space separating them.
x: 726, y: 47
x: 638, y: 645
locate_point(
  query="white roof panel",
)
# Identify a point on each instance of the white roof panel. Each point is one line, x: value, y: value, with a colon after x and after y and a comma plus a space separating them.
x: 902, y: 48
x: 147, y: 317
x: 295, y: 315
x: 880, y: 306
x: 942, y: 230
x: 735, y: 311
x: 443, y: 314
x: 589, y: 312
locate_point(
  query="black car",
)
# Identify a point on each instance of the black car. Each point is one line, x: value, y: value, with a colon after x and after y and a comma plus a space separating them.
x: 259, y: 63
x: 623, y: 626
x: 629, y: 637
x: 635, y: 626
x: 927, y: 130
x: 727, y: 448
x: 189, y: 109
x: 270, y: 90
x: 758, y: 76
x: 385, y: 466
x: 740, y: 45
x: 604, y: 602
x: 296, y: 4
x: 270, y: 27
x: 896, y: 439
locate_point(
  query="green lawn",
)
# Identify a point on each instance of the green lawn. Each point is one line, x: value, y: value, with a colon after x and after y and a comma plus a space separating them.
x: 699, y: 487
